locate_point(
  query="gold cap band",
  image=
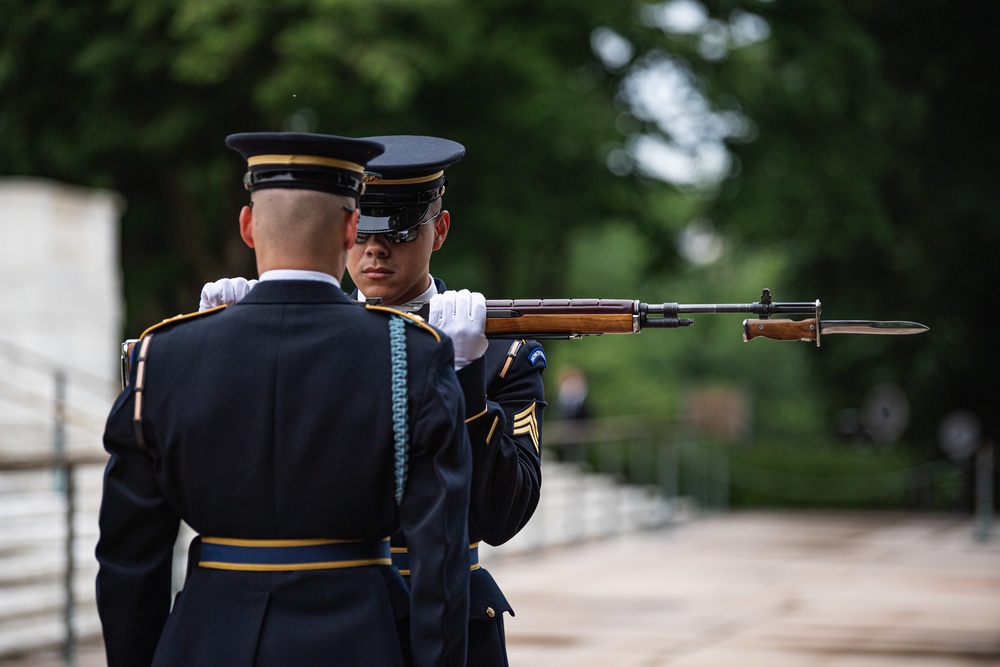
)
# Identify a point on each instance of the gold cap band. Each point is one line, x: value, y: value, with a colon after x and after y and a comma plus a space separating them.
x: 375, y: 179
x: 258, y: 160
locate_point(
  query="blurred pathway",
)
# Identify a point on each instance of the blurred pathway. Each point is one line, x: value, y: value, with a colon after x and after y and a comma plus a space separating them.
x: 756, y: 589
x: 749, y: 590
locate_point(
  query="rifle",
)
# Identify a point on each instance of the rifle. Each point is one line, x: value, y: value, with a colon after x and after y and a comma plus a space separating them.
x: 547, y: 319
x: 576, y: 318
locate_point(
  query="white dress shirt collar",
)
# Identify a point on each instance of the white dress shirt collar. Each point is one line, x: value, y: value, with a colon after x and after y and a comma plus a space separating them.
x: 298, y: 274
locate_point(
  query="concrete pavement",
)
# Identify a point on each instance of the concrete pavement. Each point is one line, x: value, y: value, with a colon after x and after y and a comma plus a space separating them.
x: 795, y: 590
x: 748, y: 590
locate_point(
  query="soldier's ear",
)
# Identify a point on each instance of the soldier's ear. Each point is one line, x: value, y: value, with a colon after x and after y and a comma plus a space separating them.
x: 351, y: 229
x: 246, y: 225
x: 441, y: 227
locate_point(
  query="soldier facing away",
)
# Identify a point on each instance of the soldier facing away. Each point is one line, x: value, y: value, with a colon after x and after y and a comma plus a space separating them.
x: 295, y: 432
x: 403, y: 223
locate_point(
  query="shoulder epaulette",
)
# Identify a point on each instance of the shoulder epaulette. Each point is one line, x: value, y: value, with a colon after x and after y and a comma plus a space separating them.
x: 413, y: 319
x: 180, y: 319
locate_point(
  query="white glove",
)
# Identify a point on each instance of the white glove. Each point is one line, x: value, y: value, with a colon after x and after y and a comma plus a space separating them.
x: 462, y: 316
x: 224, y: 292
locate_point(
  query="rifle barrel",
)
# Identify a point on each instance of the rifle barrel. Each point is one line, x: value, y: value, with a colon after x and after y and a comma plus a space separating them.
x: 757, y: 308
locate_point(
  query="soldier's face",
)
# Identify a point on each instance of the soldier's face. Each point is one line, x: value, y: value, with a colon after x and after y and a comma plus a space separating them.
x: 397, y: 272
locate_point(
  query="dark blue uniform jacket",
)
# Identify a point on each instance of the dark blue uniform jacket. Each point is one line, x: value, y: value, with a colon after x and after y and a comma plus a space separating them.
x: 272, y: 419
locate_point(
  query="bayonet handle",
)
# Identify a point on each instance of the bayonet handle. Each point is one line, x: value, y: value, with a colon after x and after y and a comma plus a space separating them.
x: 781, y: 329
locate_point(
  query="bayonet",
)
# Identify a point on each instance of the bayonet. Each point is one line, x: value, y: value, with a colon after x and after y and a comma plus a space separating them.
x: 786, y: 329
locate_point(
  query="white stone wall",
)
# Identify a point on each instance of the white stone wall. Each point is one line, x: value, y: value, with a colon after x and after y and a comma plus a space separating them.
x: 61, y: 310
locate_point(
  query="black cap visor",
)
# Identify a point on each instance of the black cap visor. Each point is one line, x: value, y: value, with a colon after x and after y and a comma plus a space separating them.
x: 382, y: 219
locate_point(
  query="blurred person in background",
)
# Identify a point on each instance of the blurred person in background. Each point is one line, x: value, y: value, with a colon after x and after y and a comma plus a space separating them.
x: 571, y: 406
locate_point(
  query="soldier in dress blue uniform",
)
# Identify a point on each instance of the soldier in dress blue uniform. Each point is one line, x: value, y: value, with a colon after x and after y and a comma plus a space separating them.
x: 295, y: 432
x: 403, y: 222
x: 504, y: 395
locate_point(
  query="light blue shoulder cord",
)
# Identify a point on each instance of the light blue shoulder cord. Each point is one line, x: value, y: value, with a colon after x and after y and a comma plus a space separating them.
x: 400, y: 403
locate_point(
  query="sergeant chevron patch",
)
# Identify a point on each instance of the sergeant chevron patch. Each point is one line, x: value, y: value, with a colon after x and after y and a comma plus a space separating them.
x: 526, y: 422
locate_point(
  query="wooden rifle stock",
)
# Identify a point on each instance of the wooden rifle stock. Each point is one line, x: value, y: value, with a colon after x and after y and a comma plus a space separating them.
x: 570, y: 318
x: 560, y: 318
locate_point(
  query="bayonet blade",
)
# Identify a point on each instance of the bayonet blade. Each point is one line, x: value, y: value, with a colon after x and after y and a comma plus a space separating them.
x: 890, y: 328
x: 787, y: 329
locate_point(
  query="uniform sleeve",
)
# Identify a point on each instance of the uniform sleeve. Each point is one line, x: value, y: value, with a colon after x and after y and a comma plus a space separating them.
x: 434, y: 516
x: 135, y: 548
x: 505, y: 432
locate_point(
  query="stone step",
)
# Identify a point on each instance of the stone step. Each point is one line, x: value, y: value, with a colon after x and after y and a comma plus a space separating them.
x: 577, y: 505
x: 21, y: 637
x: 41, y: 529
x: 41, y: 564
x: 47, y: 600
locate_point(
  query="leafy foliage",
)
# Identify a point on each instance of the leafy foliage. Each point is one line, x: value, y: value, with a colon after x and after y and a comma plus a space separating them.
x: 871, y: 126
x: 857, y: 166
x: 152, y: 88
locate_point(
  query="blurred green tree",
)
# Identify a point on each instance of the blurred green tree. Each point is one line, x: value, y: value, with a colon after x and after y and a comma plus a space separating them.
x: 846, y: 142
x: 871, y: 162
x: 138, y: 97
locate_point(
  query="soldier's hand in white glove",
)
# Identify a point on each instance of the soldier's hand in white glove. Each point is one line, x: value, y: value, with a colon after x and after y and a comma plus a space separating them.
x: 462, y: 316
x: 224, y: 292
